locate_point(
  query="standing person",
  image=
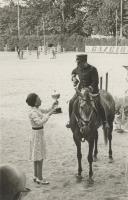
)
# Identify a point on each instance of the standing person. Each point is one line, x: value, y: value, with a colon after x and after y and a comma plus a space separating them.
x: 38, y: 52
x: 18, y: 51
x: 88, y: 77
x: 52, y: 51
x: 38, y: 117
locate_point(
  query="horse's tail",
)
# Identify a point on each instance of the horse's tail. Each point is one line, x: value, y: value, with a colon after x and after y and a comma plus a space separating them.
x: 105, y: 131
x: 108, y: 104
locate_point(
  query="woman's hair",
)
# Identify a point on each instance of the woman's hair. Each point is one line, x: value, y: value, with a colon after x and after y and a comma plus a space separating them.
x: 31, y: 99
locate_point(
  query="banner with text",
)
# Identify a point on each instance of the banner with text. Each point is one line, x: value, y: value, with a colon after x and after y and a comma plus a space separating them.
x: 107, y: 49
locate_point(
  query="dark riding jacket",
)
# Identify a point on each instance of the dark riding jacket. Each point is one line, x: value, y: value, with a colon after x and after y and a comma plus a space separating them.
x: 88, y: 76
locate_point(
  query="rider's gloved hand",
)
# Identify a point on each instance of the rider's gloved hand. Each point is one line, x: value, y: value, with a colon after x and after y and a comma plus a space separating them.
x: 55, y: 104
x: 75, y: 81
x: 90, y: 89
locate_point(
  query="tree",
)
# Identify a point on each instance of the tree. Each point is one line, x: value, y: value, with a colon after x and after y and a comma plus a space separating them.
x: 8, y: 20
x: 107, y: 17
x: 125, y: 30
x: 125, y: 12
x: 63, y: 17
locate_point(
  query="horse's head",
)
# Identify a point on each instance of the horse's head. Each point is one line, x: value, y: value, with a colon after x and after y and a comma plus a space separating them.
x: 86, y: 112
x: 84, y: 97
x: 84, y: 100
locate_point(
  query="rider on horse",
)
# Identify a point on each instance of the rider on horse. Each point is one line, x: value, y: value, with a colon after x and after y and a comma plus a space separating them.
x: 88, y: 77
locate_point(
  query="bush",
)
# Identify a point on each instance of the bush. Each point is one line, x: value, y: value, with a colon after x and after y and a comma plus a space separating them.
x: 1, y: 44
x: 69, y: 43
x: 121, y: 102
x: 105, y: 42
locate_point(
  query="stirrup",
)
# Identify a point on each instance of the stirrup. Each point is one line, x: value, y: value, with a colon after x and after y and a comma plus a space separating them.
x: 34, y: 178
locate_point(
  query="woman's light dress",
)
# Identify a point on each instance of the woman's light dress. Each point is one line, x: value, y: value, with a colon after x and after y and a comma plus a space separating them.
x: 37, y: 138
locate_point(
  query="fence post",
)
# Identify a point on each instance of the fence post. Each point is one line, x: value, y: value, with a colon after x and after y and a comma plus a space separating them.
x: 101, y: 81
x: 106, y: 88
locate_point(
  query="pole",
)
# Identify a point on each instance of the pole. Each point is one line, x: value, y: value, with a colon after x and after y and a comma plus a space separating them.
x: 44, y: 32
x: 37, y: 31
x: 18, y: 19
x: 116, y: 29
x: 44, y: 36
x: 101, y: 81
x: 121, y: 18
x: 106, y: 82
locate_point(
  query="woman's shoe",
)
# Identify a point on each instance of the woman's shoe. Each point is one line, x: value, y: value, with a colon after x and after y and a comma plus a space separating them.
x: 42, y: 182
x: 34, y: 179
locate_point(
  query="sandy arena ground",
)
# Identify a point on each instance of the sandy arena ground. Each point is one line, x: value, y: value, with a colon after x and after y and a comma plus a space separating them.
x: 20, y: 77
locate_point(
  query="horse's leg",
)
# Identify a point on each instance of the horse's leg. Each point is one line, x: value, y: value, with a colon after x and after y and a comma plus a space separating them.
x: 79, y: 154
x: 90, y: 159
x: 110, y: 142
x: 95, y: 146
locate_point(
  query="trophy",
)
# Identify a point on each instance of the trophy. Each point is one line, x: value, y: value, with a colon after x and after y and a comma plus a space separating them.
x: 55, y: 97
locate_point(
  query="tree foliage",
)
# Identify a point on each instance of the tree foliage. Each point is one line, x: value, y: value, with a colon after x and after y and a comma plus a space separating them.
x: 81, y: 17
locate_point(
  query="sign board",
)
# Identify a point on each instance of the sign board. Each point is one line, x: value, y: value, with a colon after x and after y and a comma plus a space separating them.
x: 107, y: 49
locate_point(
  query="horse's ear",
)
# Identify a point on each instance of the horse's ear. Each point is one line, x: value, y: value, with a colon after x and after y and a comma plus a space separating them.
x: 78, y: 92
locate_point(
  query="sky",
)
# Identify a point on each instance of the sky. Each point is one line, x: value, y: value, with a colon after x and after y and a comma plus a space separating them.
x: 5, y: 2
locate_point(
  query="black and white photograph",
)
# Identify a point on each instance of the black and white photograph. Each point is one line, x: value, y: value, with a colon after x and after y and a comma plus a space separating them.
x: 63, y: 99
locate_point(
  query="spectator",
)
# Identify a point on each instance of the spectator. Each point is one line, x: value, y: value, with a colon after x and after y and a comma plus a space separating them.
x: 38, y: 117
x: 12, y: 183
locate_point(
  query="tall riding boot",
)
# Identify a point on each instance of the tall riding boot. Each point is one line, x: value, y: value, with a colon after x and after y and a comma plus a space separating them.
x: 101, y: 112
x: 71, y: 102
x: 70, y: 112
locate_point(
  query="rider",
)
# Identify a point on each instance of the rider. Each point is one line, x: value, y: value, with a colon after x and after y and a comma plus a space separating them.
x: 88, y: 77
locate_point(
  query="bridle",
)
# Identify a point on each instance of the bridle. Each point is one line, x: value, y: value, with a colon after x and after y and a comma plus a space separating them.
x: 83, y: 123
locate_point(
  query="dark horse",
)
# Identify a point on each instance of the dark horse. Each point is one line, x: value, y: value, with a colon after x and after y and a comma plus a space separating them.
x: 85, y: 120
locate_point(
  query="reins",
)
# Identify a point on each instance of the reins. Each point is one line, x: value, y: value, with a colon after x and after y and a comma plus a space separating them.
x: 80, y: 121
x: 87, y: 123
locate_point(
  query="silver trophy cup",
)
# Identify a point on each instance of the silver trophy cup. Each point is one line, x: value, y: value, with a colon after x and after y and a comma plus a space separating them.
x: 55, y: 97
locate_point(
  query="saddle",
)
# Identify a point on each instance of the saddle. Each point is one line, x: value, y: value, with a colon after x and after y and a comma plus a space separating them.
x: 107, y: 102
x: 101, y: 107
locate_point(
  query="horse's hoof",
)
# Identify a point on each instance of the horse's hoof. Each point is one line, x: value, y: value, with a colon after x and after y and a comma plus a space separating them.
x: 110, y: 160
x: 90, y: 181
x: 79, y: 177
x: 95, y: 159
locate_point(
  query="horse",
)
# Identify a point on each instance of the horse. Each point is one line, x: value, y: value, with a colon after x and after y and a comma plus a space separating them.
x: 85, y: 121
